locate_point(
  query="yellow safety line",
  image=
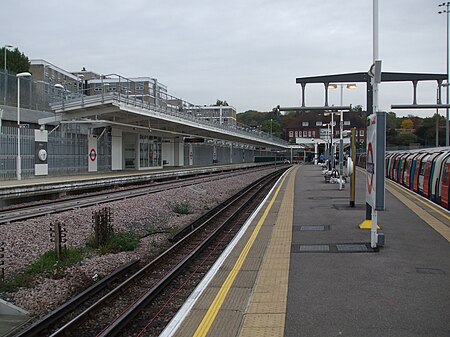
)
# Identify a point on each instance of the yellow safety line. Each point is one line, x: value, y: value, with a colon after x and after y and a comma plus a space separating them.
x: 213, y: 310
x: 431, y: 220
x: 437, y: 225
x: 426, y: 203
x: 412, y: 194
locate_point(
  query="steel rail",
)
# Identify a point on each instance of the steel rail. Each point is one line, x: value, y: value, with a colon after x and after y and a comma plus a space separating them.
x: 57, y: 206
x: 64, y: 330
x: 41, y: 325
x: 121, y: 322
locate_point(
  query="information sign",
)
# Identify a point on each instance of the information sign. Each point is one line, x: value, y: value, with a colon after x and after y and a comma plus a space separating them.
x: 371, y: 160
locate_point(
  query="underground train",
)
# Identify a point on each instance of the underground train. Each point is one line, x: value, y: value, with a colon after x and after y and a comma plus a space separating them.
x: 424, y: 171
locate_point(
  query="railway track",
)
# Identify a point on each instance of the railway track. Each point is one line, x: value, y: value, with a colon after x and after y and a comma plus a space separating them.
x: 145, y: 301
x: 25, y: 212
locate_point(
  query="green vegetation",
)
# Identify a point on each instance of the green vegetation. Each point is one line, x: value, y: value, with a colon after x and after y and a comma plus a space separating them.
x: 182, y: 208
x: 400, y: 131
x: 16, y: 62
x: 116, y: 242
x: 47, y: 264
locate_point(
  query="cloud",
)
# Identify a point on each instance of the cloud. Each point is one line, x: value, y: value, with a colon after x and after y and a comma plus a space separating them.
x: 246, y: 52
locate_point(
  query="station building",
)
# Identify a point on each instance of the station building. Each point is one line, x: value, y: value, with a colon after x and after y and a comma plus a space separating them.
x: 86, y: 122
x: 317, y: 124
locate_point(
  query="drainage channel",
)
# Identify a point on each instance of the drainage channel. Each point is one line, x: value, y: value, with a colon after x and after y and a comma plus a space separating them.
x: 354, y: 247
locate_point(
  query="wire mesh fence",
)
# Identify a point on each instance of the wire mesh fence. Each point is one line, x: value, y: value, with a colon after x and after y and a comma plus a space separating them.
x: 67, y: 152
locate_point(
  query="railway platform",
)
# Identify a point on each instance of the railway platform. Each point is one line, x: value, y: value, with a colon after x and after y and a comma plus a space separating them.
x: 302, y: 267
x: 54, y: 186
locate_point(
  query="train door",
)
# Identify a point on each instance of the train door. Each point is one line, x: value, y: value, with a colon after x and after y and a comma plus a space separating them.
x: 418, y: 164
x: 437, y: 177
x: 395, y: 168
x: 386, y: 165
x: 421, y: 179
x: 412, y: 167
x: 445, y: 186
x: 389, y: 162
x: 428, y: 174
x: 406, y: 170
x: 401, y: 166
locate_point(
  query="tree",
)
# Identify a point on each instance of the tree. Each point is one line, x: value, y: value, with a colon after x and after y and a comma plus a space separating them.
x: 406, y: 138
x: 391, y: 137
x: 272, y: 127
x: 251, y: 118
x: 391, y: 120
x: 16, y: 62
x: 407, y: 123
x: 221, y: 103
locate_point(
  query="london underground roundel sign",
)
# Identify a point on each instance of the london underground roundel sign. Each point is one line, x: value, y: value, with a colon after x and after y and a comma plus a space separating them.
x: 93, y: 155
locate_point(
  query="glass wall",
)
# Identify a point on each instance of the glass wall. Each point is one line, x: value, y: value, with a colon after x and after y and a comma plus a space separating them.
x: 149, y: 151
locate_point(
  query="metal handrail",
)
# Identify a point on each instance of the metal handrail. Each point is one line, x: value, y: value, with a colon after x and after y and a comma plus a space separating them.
x: 171, y: 110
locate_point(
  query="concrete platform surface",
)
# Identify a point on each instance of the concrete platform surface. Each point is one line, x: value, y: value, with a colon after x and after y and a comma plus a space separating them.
x: 304, y: 268
x: 402, y: 290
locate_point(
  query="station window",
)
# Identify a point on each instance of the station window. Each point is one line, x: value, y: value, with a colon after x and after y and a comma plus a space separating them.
x: 149, y: 151
x: 346, y: 122
x: 291, y: 134
x: 319, y: 123
x: 305, y: 123
x: 361, y: 133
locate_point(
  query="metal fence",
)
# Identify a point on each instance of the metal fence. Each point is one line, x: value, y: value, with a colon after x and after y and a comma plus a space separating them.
x: 203, y: 154
x: 67, y: 152
x: 42, y: 96
x: 35, y: 95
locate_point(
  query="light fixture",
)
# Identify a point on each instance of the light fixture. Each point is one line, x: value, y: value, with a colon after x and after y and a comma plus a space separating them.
x: 18, y: 159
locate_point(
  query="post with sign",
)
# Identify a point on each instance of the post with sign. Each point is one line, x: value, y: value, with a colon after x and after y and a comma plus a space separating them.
x: 41, y: 156
x: 92, y: 153
x: 375, y: 166
x: 376, y: 143
x: 351, y: 163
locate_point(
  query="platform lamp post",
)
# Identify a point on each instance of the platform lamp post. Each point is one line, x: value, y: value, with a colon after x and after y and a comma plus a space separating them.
x: 327, y: 137
x: 19, y: 161
x: 6, y: 46
x: 341, y: 129
x: 437, y: 118
x: 447, y: 11
x: 63, y: 90
x: 331, y: 138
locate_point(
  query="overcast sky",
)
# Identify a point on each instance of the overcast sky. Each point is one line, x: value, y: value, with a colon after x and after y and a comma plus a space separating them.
x: 247, y: 52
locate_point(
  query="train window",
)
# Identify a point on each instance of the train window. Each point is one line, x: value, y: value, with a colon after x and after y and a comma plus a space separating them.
x: 445, y: 176
x: 422, y: 167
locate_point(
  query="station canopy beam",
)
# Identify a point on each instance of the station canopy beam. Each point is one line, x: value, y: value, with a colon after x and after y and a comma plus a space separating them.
x: 365, y: 77
x: 313, y: 108
x: 420, y: 106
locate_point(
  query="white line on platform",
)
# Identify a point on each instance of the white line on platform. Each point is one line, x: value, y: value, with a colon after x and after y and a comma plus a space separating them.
x: 181, y: 315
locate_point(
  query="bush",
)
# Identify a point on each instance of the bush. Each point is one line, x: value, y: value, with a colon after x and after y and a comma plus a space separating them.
x: 119, y: 242
x: 46, y: 264
x: 181, y: 208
